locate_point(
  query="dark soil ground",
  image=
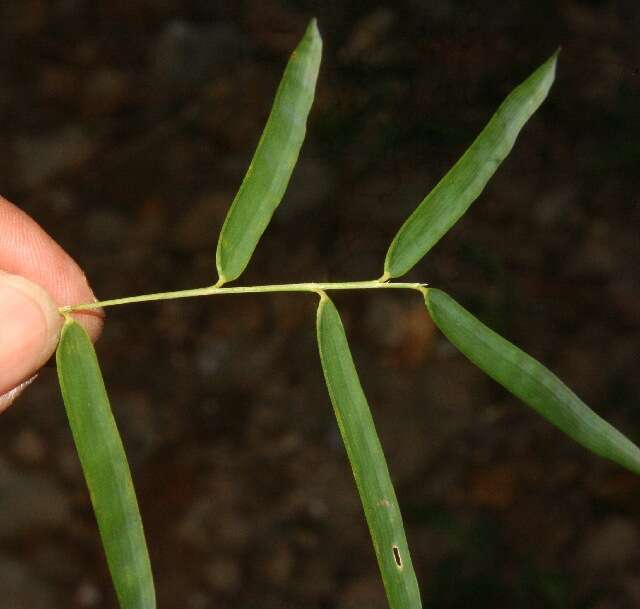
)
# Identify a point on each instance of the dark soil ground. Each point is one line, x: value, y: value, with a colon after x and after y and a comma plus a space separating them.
x: 127, y: 127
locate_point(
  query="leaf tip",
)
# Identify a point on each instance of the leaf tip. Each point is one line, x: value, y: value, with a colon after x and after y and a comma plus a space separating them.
x: 553, y: 61
x: 312, y: 34
x: 551, y: 64
x: 312, y: 28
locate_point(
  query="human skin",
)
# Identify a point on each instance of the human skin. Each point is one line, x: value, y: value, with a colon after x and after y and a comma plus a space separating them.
x: 36, y: 277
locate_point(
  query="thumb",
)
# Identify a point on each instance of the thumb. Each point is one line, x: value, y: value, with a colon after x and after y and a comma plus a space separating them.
x: 29, y: 329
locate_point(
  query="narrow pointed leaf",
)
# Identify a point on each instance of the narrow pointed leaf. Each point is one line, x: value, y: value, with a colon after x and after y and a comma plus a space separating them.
x: 367, y: 460
x: 464, y: 182
x: 529, y: 380
x: 105, y: 468
x: 275, y: 157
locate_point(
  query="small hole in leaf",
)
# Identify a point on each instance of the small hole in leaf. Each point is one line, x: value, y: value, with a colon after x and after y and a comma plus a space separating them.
x: 396, y: 556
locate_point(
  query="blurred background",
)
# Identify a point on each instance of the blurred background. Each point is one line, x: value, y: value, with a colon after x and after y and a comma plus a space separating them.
x: 127, y: 127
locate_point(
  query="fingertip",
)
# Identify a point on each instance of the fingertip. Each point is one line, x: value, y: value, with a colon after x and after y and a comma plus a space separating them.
x: 29, y: 329
x: 28, y: 251
x: 92, y: 320
x: 72, y: 288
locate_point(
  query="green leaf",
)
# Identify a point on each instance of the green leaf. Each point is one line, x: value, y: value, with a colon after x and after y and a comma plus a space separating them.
x: 464, y: 182
x: 275, y: 157
x: 529, y: 380
x: 367, y: 460
x: 105, y: 468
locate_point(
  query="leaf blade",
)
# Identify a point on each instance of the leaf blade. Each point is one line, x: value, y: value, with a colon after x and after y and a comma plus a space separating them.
x: 465, y: 181
x: 105, y: 467
x: 367, y: 460
x: 270, y: 169
x: 530, y: 381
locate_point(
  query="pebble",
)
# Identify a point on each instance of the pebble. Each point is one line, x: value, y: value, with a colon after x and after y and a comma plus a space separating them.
x: 186, y: 55
x: 41, y: 157
x: 88, y: 594
x: 596, y: 254
x: 224, y: 574
x: 29, y: 446
x: 278, y: 565
x: 612, y: 543
x: 367, y: 35
x: 105, y: 92
x: 21, y: 588
x: 105, y: 228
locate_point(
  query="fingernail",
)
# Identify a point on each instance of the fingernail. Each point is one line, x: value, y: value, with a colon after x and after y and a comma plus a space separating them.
x: 10, y: 397
x: 29, y: 329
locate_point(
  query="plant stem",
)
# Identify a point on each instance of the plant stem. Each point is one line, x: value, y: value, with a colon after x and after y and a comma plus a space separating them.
x: 254, y: 289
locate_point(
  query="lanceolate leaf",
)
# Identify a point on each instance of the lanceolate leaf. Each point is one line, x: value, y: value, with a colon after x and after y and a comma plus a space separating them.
x: 275, y: 157
x: 367, y: 460
x: 529, y: 380
x: 464, y: 182
x: 105, y: 468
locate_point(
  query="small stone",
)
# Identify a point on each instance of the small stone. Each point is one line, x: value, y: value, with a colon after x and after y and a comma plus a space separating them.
x: 27, y: 17
x: 553, y: 207
x: 494, y: 487
x: 189, y: 529
x: 276, y: 564
x: 105, y: 92
x: 596, y: 254
x: 224, y: 574
x: 105, y: 227
x: 614, y: 543
x: 185, y: 55
x: 198, y: 600
x: 29, y: 446
x: 41, y: 157
x: 211, y: 357
x: 21, y: 588
x: 60, y: 83
x: 88, y: 594
x: 365, y: 40
x: 405, y: 330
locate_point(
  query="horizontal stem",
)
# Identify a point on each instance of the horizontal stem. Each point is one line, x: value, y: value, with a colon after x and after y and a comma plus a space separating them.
x: 254, y: 289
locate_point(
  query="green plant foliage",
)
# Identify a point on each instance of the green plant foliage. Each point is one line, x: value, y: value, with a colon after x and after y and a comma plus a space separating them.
x: 94, y: 430
x: 367, y: 460
x: 275, y: 157
x: 464, y: 182
x: 105, y: 468
x: 529, y: 380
